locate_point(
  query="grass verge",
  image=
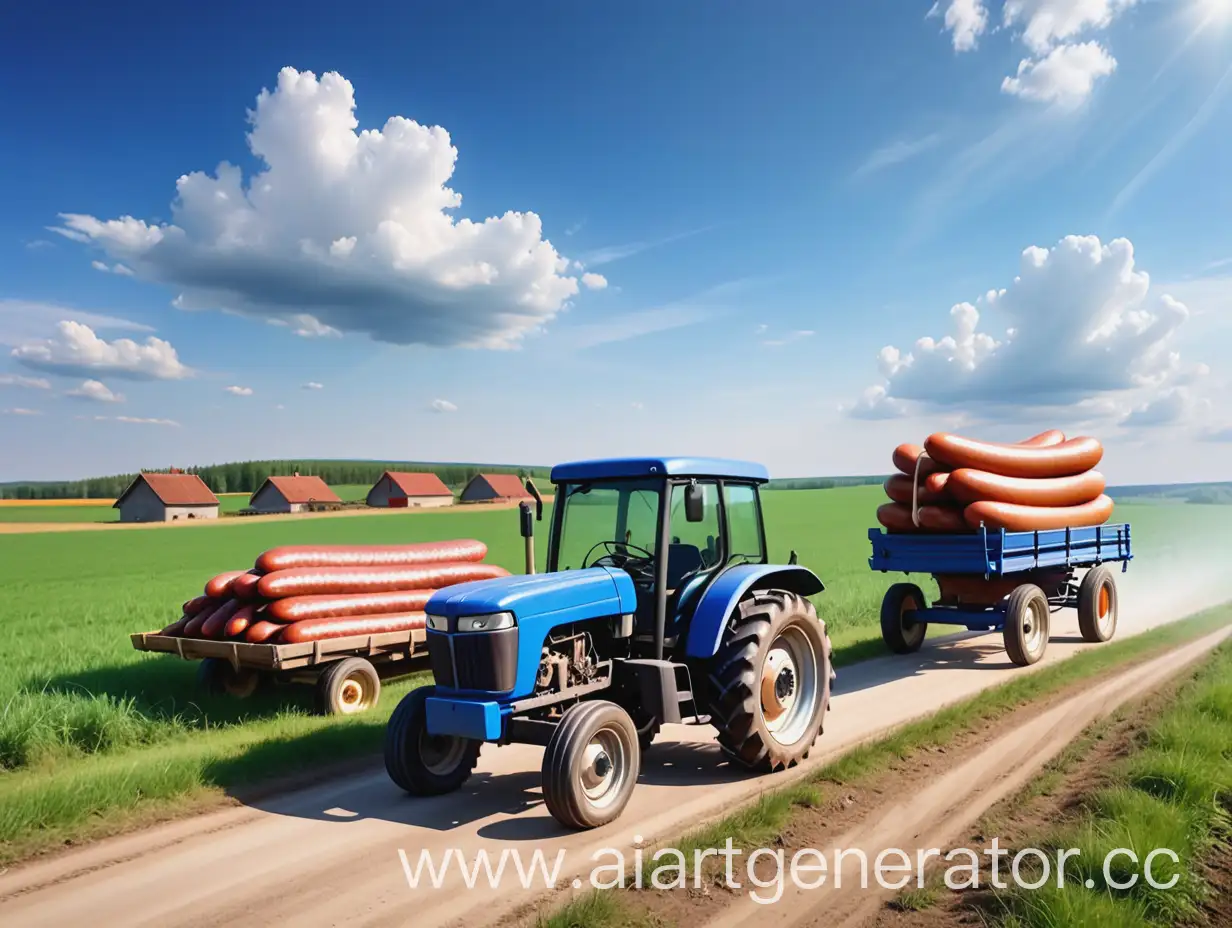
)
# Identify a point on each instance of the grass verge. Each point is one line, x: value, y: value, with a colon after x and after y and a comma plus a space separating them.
x: 758, y: 824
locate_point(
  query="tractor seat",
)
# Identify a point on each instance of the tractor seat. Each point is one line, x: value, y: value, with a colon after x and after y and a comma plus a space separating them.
x: 682, y: 560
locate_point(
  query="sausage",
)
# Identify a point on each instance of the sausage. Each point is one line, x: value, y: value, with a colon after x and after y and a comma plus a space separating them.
x: 1063, y: 460
x: 220, y: 586
x: 905, y: 456
x: 236, y: 625
x: 896, y: 517
x: 198, y: 603
x: 298, y: 608
x: 340, y: 627
x: 1044, y: 439
x: 176, y: 627
x: 899, y: 486
x: 465, y: 550
x: 308, y: 581
x: 936, y: 483
x: 1017, y: 518
x: 192, y: 628
x: 214, y: 625
x: 244, y: 587
x: 970, y: 486
x: 261, y: 632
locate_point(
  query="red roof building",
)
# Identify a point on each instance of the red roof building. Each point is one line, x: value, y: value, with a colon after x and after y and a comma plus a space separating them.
x: 166, y: 498
x: 292, y: 494
x: 495, y: 488
x: 401, y: 490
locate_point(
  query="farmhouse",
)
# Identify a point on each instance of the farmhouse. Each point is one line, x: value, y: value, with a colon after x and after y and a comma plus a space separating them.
x: 494, y: 488
x: 400, y: 491
x: 291, y: 494
x: 166, y: 498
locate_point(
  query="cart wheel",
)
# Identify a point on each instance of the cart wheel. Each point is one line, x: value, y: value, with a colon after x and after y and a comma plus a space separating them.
x: 1027, y: 617
x: 901, y: 634
x: 1097, y: 604
x: 217, y: 677
x: 591, y: 765
x: 420, y: 763
x: 347, y: 687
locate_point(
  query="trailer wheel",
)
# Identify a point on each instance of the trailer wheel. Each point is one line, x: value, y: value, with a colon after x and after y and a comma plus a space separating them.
x: 1097, y: 605
x: 770, y: 681
x: 591, y: 765
x: 347, y: 687
x: 1027, y: 622
x: 420, y: 763
x: 217, y: 677
x: 901, y: 634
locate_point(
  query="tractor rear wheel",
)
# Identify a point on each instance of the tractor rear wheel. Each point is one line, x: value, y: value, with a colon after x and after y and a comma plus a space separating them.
x: 421, y: 763
x: 770, y: 681
x: 1097, y: 605
x: 591, y: 765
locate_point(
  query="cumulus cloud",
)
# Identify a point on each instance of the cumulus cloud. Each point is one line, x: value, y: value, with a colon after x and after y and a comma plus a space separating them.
x: 966, y: 21
x: 1171, y: 407
x: 239, y: 391
x: 351, y: 229
x: 112, y: 268
x: 594, y: 281
x: 313, y: 385
x: 29, y: 383
x: 1077, y: 325
x: 1066, y: 75
x: 444, y: 406
x: 1044, y: 23
x: 96, y: 391
x: 76, y: 349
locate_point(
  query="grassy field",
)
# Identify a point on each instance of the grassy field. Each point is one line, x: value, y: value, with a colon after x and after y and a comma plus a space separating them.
x: 92, y: 731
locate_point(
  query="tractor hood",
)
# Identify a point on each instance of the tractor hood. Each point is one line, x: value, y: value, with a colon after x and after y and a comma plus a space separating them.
x: 566, y: 596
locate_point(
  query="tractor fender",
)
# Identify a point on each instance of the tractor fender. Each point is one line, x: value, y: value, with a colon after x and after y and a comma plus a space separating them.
x: 715, y: 607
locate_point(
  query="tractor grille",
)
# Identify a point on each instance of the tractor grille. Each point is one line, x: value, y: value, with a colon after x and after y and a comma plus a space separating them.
x: 479, y: 661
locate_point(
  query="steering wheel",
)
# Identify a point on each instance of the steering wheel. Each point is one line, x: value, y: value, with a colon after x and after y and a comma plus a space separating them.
x: 616, y: 554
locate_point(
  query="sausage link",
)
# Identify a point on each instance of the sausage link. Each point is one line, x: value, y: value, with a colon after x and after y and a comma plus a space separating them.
x: 1016, y: 518
x: 299, y: 608
x: 341, y: 626
x: 213, y: 626
x: 220, y: 586
x: 236, y: 625
x: 244, y: 587
x: 262, y: 632
x: 970, y: 486
x: 465, y: 550
x: 309, y: 581
x: 1064, y: 460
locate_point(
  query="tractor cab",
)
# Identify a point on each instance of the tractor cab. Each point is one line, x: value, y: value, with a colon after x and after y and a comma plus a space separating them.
x: 672, y: 524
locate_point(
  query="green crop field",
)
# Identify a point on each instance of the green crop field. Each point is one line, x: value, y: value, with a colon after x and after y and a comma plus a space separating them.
x: 94, y: 734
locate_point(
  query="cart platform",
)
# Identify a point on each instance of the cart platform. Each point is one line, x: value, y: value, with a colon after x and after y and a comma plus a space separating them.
x: 240, y: 654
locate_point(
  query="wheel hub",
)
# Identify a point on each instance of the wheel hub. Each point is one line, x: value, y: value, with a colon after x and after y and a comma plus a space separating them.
x: 778, y: 683
x: 603, y: 767
x: 351, y: 695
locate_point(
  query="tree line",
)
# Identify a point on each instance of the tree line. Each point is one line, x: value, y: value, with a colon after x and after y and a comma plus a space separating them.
x: 247, y: 476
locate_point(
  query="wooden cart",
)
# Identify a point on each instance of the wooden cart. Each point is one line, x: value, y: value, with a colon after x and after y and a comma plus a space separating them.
x: 345, y: 671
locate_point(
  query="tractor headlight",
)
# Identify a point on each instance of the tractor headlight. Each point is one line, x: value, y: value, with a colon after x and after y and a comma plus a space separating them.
x: 486, y: 623
x: 438, y: 623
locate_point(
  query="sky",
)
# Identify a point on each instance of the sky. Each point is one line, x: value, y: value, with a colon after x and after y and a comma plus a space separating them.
x: 797, y: 233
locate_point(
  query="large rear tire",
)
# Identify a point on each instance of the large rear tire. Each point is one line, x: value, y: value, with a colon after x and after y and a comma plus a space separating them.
x: 420, y: 763
x: 591, y: 765
x: 770, y: 681
x: 1097, y: 605
x: 1027, y: 623
x: 900, y: 632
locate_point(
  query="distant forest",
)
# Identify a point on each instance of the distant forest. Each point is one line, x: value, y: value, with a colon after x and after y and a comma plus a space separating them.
x: 247, y: 476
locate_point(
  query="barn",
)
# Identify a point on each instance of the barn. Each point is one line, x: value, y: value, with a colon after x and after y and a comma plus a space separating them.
x: 401, y: 491
x: 292, y: 494
x: 166, y: 498
x: 494, y: 488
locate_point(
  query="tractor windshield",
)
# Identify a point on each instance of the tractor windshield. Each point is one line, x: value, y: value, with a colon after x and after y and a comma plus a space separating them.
x: 607, y: 517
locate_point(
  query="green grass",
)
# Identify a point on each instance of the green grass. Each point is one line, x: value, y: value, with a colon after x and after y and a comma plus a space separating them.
x: 48, y: 513
x: 1174, y: 792
x: 78, y: 704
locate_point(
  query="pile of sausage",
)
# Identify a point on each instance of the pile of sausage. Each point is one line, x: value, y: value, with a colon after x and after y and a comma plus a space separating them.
x: 955, y: 484
x: 303, y: 593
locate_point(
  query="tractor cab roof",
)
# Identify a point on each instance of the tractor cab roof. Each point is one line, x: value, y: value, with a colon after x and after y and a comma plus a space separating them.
x: 659, y: 467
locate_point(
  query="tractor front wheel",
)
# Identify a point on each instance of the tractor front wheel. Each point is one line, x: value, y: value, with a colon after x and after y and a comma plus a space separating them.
x: 421, y: 763
x: 591, y: 765
x: 770, y: 681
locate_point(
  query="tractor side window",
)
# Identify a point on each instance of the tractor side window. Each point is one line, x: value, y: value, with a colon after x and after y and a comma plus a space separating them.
x: 743, y: 523
x: 691, y: 539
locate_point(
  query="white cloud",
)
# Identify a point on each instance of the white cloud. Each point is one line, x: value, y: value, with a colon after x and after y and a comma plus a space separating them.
x: 594, y: 281
x: 1044, y: 23
x: 1078, y: 324
x: 353, y: 229
x: 896, y: 153
x: 112, y: 268
x: 1176, y: 406
x: 965, y: 19
x: 313, y: 385
x: 875, y: 403
x: 444, y: 406
x: 30, y: 383
x: 1066, y: 75
x: 137, y: 420
x: 239, y: 391
x: 25, y: 320
x: 96, y: 391
x: 612, y: 253
x: 78, y: 350
x: 306, y: 326
x: 22, y: 411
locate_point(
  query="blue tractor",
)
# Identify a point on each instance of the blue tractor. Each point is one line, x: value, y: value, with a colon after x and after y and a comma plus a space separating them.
x: 659, y: 605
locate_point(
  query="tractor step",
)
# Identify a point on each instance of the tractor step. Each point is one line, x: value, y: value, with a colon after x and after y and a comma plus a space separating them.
x: 664, y: 687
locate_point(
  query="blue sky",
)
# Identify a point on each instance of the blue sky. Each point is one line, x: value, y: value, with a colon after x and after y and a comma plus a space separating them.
x: 716, y: 229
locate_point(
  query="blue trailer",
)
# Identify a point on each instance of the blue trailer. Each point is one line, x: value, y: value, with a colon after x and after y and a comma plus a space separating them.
x: 994, y: 580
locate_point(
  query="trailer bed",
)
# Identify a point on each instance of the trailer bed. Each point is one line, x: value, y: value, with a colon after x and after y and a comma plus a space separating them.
x: 275, y: 657
x: 999, y: 553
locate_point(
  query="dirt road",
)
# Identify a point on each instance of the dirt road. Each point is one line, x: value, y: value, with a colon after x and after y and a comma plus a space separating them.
x: 330, y: 855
